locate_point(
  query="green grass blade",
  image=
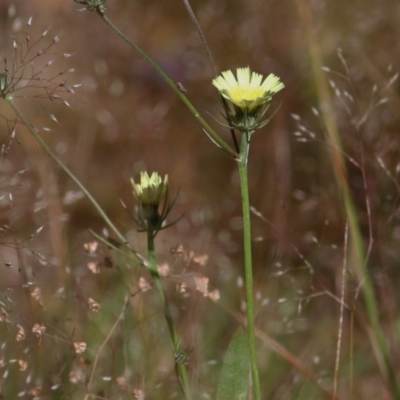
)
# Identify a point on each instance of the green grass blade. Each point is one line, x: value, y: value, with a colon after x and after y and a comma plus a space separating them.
x: 235, y: 373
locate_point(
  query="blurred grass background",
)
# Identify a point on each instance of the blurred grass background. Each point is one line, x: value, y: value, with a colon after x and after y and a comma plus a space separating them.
x: 125, y: 119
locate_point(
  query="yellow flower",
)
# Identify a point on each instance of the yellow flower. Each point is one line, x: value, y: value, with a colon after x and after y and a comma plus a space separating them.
x: 150, y: 192
x: 248, y: 91
x: 151, y: 189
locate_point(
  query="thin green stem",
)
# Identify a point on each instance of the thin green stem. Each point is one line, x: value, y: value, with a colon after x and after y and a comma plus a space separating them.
x: 248, y: 264
x: 61, y: 164
x: 180, y: 367
x: 175, y: 87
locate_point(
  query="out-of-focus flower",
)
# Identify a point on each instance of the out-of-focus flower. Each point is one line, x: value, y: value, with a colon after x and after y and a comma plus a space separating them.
x: 93, y: 305
x: 20, y: 334
x: 93, y: 267
x: 163, y: 269
x: 144, y: 285
x: 22, y: 364
x: 39, y: 330
x: 79, y: 347
x: 91, y: 247
x: 138, y: 394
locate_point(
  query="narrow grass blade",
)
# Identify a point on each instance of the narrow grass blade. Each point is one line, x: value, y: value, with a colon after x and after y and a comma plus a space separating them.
x: 235, y: 373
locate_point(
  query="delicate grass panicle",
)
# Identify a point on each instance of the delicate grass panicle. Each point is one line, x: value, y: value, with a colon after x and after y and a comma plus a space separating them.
x: 128, y: 314
x: 30, y: 69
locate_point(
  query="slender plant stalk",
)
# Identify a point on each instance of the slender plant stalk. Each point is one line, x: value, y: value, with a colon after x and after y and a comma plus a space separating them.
x: 248, y: 264
x: 180, y: 367
x: 61, y: 164
x: 175, y: 87
x: 362, y: 272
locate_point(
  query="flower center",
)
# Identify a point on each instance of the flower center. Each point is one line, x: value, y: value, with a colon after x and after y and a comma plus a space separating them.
x: 240, y: 93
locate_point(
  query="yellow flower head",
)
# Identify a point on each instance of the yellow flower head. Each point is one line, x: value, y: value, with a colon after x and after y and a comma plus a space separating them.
x: 151, y: 189
x: 248, y: 91
x: 150, y: 193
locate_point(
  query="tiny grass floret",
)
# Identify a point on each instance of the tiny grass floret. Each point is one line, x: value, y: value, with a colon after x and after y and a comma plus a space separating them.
x: 4, y: 85
x: 150, y: 193
x: 249, y: 94
x: 93, y: 5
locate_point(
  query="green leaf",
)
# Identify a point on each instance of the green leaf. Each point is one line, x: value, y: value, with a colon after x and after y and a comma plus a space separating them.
x: 234, y: 379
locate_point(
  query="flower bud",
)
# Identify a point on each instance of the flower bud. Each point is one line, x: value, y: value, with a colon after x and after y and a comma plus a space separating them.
x: 150, y: 193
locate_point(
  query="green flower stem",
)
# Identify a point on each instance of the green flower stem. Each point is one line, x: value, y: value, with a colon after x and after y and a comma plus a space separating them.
x: 61, y: 164
x: 209, y: 131
x: 248, y: 264
x: 180, y: 367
